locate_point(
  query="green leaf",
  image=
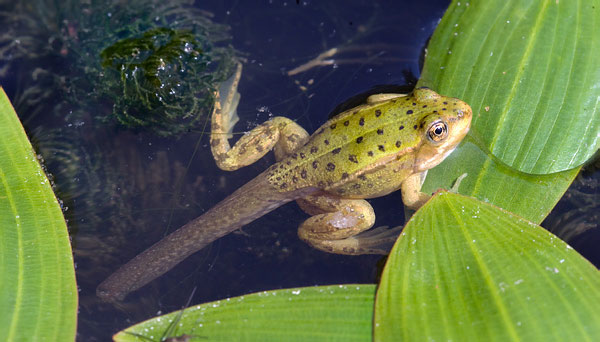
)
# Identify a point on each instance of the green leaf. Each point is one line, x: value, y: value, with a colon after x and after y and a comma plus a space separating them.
x: 325, y: 313
x: 464, y: 270
x: 38, y: 294
x: 530, y: 71
x: 529, y: 196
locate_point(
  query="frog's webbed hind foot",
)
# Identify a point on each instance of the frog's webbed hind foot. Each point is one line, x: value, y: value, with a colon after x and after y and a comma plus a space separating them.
x: 227, y: 99
x: 341, y: 226
x: 379, y: 240
x: 374, y: 241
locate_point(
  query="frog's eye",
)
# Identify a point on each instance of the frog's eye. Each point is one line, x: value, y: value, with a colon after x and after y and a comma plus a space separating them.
x: 437, y: 131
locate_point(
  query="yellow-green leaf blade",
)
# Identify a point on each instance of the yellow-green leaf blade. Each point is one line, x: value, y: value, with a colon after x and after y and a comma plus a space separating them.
x: 325, y: 313
x: 38, y: 295
x: 464, y: 270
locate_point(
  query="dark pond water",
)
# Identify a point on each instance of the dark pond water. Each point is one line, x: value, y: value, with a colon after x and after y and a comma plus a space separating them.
x: 125, y: 189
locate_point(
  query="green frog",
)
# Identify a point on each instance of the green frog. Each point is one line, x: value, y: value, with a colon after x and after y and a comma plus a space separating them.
x: 384, y: 145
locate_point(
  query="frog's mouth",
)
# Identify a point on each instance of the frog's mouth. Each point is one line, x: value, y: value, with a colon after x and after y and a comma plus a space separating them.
x: 424, y: 162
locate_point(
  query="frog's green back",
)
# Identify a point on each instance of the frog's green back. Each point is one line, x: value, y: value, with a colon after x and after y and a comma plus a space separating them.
x: 356, y: 141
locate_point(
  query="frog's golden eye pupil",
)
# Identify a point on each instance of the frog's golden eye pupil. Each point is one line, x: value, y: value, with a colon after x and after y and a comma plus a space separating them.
x: 437, y: 131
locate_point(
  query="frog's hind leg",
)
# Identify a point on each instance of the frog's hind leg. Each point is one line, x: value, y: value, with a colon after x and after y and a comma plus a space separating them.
x: 337, y: 223
x: 280, y: 134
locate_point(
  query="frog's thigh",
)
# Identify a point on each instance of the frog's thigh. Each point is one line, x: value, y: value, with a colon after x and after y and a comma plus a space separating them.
x: 411, y: 191
x: 280, y: 133
x: 335, y: 222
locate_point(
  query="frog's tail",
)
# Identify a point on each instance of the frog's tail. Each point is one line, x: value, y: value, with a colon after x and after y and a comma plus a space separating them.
x: 248, y: 203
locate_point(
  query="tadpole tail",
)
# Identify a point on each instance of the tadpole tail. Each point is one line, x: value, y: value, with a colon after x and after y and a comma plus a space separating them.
x: 248, y: 203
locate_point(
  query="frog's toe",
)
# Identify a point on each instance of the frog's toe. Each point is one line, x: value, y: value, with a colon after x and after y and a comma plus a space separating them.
x: 229, y: 98
x: 380, y: 238
x: 233, y: 117
x: 379, y: 231
x: 454, y: 188
x: 374, y: 241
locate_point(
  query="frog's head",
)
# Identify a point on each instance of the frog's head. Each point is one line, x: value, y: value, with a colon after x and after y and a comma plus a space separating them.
x: 442, y: 128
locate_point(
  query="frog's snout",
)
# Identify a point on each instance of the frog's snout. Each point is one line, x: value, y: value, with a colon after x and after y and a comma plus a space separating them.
x: 464, y: 112
x: 461, y: 109
x: 462, y: 119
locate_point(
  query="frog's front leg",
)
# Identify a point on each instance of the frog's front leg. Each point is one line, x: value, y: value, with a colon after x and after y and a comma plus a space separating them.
x: 336, y: 225
x: 412, y: 196
x: 280, y: 134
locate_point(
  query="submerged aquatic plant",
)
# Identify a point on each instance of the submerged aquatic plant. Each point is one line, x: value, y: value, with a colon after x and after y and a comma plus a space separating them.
x: 55, y: 50
x: 163, y: 78
x: 147, y: 64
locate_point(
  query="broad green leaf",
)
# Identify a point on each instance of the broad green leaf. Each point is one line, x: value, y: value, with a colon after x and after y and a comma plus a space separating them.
x: 325, y: 313
x: 530, y: 71
x: 464, y: 270
x: 529, y: 196
x: 38, y: 294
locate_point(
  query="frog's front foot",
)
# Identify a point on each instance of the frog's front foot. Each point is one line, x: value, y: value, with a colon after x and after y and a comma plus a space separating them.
x: 455, y: 186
